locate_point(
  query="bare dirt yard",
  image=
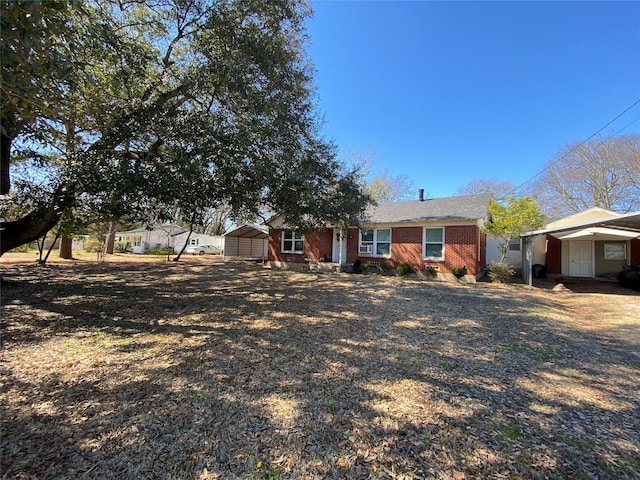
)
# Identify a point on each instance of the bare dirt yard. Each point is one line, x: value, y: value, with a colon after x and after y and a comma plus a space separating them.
x: 202, y: 370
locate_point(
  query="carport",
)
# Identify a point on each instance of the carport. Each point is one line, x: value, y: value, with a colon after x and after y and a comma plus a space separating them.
x: 247, y: 241
x: 625, y: 224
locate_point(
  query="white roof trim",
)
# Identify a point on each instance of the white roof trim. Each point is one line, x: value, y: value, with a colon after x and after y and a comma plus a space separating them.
x: 629, y: 222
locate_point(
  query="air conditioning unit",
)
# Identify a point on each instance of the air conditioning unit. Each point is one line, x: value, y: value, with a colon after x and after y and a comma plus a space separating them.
x: 366, y: 248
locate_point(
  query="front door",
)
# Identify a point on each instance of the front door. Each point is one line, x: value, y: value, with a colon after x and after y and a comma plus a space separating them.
x: 581, y: 258
x: 335, y: 254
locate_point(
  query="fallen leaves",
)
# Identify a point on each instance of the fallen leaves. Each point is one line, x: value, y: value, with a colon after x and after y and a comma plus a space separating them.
x: 240, y: 372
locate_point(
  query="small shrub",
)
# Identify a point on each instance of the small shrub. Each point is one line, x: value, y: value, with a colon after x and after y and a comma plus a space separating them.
x: 384, y: 267
x: 500, y: 272
x: 93, y: 245
x: 459, y: 272
x: 159, y: 251
x: 431, y: 271
x: 364, y: 267
x: 404, y: 269
x: 27, y: 247
x: 122, y: 247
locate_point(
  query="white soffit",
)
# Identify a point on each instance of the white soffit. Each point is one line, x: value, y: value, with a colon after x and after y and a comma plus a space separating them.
x: 629, y: 222
x: 597, y: 233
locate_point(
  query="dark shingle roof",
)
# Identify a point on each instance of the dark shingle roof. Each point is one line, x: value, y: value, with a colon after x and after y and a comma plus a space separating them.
x: 467, y: 207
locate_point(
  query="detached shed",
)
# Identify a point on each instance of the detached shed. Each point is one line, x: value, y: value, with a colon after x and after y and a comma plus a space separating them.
x: 247, y: 241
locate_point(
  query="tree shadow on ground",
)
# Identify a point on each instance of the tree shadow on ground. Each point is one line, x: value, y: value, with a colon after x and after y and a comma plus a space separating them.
x: 241, y: 372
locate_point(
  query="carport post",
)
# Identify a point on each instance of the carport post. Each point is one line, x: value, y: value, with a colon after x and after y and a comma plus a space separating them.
x: 529, y: 244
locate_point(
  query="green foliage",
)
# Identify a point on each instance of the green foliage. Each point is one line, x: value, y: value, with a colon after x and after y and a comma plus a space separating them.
x: 122, y: 247
x: 459, y: 272
x: 512, y: 432
x: 512, y: 217
x: 23, y: 248
x: 364, y: 267
x: 384, y: 266
x: 431, y: 271
x: 500, y: 272
x: 159, y: 251
x: 268, y: 470
x: 175, y: 108
x: 93, y: 245
x: 404, y: 269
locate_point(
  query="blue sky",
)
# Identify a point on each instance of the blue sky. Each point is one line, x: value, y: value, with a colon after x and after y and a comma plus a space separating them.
x: 445, y: 92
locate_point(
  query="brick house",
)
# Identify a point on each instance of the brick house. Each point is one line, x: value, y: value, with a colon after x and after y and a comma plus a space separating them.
x: 444, y: 233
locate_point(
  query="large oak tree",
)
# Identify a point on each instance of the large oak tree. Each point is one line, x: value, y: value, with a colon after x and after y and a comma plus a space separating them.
x: 163, y: 105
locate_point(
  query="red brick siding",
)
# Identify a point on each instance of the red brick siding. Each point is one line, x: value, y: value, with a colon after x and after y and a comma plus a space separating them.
x: 635, y: 251
x: 274, y: 244
x: 554, y: 255
x: 275, y: 249
x: 461, y: 249
x: 316, y: 245
x: 482, y: 261
x: 353, y: 239
x: 326, y: 243
x: 406, y: 246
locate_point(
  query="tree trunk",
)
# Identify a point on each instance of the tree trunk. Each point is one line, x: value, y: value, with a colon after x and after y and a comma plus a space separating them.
x: 66, y: 244
x: 111, y: 237
x: 186, y: 242
x: 5, y: 155
x: 28, y: 228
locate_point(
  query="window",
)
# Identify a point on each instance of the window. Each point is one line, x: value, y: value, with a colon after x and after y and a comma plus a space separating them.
x: 194, y: 241
x: 434, y: 243
x: 514, y: 244
x: 375, y: 242
x: 292, y: 242
x: 615, y: 251
x: 137, y: 240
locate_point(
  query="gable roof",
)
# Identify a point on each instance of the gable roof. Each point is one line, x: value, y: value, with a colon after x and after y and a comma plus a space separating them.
x: 150, y: 228
x: 249, y: 230
x: 466, y: 207
x: 594, y: 213
x: 628, y: 222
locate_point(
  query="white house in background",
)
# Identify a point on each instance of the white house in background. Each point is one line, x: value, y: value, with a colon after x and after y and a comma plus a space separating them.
x: 196, y: 239
x: 513, y: 256
x: 143, y: 238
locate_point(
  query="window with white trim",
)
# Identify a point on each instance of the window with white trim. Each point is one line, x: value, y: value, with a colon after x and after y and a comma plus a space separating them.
x: 434, y: 243
x: 615, y: 251
x: 292, y: 242
x: 375, y: 242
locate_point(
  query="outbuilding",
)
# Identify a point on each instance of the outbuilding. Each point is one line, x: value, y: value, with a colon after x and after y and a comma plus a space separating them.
x: 591, y: 244
x: 247, y: 241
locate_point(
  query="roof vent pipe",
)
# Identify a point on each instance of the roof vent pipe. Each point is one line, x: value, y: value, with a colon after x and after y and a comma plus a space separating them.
x: 421, y: 194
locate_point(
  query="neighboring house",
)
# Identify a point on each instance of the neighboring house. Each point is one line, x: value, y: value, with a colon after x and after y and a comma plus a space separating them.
x: 78, y: 242
x: 585, y: 252
x: 444, y: 233
x: 178, y: 239
x: 149, y: 237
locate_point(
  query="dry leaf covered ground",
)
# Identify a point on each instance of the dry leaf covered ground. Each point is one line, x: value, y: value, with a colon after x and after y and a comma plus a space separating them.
x: 202, y: 370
